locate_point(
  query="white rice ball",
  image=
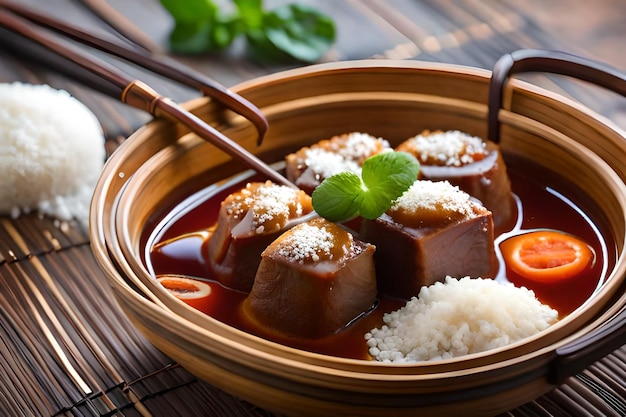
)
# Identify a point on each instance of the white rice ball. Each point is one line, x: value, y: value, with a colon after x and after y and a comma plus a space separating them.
x: 459, y: 317
x: 51, y: 152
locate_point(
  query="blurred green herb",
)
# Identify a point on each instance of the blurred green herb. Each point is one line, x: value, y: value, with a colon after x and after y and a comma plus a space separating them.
x: 291, y: 32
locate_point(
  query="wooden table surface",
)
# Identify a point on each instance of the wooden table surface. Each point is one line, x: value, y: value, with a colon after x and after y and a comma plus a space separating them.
x: 126, y: 375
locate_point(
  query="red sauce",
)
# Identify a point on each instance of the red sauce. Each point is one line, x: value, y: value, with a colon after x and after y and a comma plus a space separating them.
x: 182, y: 240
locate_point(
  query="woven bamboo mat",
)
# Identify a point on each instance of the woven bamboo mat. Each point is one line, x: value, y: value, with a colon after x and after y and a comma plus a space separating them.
x: 66, y: 349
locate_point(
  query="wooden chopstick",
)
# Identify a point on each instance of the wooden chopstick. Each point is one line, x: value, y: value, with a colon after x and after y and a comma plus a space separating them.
x: 120, y: 24
x: 136, y: 93
x: 163, y: 66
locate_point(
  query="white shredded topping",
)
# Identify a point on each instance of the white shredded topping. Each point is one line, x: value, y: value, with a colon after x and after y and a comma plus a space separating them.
x: 268, y: 203
x: 307, y: 242
x: 273, y: 201
x: 358, y: 146
x: 344, y: 153
x: 327, y: 163
x: 450, y: 148
x: 425, y: 195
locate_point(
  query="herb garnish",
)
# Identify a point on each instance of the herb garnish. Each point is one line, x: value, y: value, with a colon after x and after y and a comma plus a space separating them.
x: 384, y: 178
x: 289, y: 32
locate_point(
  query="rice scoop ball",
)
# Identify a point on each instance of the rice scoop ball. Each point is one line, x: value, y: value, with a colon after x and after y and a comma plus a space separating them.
x: 51, y: 152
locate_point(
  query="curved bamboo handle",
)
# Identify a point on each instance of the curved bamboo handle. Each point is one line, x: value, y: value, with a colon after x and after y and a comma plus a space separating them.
x: 555, y: 62
x: 610, y: 334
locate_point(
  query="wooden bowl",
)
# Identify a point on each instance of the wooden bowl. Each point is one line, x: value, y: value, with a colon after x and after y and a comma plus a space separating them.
x: 162, y: 163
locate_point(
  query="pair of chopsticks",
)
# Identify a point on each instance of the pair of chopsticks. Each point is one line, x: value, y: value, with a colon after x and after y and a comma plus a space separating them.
x: 32, y: 25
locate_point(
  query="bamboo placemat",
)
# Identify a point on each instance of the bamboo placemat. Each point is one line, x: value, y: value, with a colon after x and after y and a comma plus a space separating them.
x: 66, y: 349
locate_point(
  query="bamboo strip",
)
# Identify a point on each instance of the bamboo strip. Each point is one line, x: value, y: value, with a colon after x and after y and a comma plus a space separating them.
x: 15, y: 383
x: 611, y: 371
x: 81, y: 318
x: 37, y: 366
x: 531, y: 409
x: 67, y: 327
x: 116, y: 326
x: 599, y: 393
x: 33, y: 235
x: 556, y: 403
x: 49, y: 339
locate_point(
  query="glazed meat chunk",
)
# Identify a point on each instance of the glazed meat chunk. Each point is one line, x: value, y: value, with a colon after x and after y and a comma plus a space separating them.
x: 248, y: 221
x: 473, y: 164
x: 433, y: 230
x: 312, y: 281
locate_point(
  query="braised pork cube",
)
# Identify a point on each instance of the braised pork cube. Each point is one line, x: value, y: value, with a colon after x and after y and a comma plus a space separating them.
x: 309, y: 166
x: 473, y: 164
x: 312, y: 281
x: 248, y: 221
x: 433, y: 230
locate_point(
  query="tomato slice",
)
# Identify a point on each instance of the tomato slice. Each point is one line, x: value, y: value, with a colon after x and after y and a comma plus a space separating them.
x: 191, y: 291
x: 547, y: 255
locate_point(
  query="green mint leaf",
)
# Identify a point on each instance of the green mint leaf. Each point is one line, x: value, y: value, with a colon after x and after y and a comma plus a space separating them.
x: 384, y: 177
x: 293, y: 31
x: 337, y: 197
